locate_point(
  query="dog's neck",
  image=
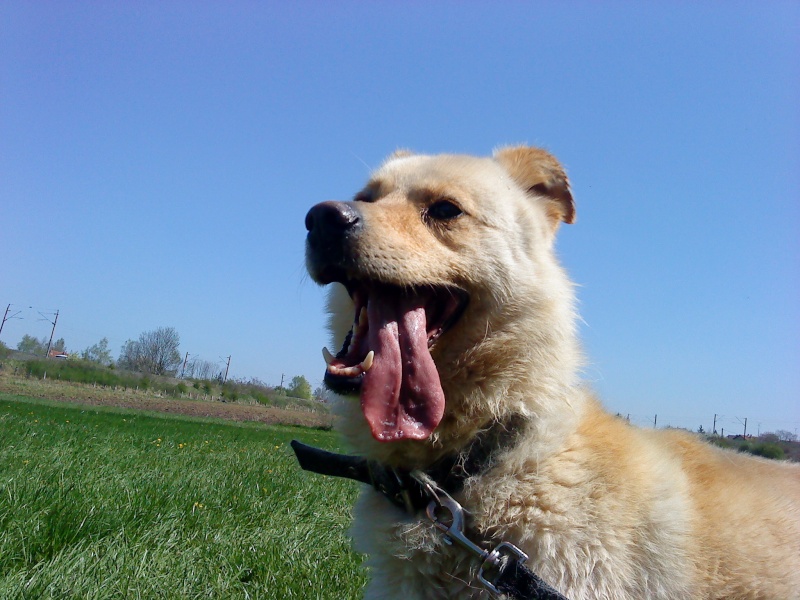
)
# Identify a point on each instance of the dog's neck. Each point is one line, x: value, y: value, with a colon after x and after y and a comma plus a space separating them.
x: 480, y: 454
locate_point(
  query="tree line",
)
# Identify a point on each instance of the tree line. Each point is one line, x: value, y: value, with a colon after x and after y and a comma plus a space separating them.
x: 155, y: 352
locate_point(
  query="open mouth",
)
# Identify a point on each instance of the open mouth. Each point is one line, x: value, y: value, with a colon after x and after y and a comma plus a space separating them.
x: 386, y: 357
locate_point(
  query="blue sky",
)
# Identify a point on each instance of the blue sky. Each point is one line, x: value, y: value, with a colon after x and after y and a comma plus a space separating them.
x: 157, y: 160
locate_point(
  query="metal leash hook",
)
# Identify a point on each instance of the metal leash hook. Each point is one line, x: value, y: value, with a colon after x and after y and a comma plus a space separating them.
x: 451, y: 525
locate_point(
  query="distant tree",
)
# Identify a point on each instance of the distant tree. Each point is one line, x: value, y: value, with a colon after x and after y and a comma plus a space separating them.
x: 31, y: 345
x: 700, y: 429
x: 321, y: 395
x: 4, y: 351
x: 188, y: 369
x: 260, y: 385
x: 59, y: 346
x: 130, y: 356
x: 299, y: 388
x: 98, y: 353
x: 155, y: 352
x: 197, y: 368
x: 786, y: 436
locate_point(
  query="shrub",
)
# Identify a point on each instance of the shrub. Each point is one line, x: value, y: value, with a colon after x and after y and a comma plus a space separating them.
x: 261, y: 398
x: 721, y: 442
x: 78, y: 371
x: 768, y: 450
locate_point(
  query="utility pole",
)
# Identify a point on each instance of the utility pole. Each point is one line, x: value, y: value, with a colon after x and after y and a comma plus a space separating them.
x: 52, y: 331
x: 714, y: 428
x: 183, y: 368
x: 281, y: 386
x: 6, y: 317
x: 743, y: 423
x: 655, y: 421
x: 224, y: 379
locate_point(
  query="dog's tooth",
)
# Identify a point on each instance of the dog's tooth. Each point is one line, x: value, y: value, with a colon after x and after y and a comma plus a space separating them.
x: 326, y: 354
x: 366, y: 364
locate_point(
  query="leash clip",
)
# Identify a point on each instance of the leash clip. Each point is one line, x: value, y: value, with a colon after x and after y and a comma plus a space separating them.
x: 447, y: 515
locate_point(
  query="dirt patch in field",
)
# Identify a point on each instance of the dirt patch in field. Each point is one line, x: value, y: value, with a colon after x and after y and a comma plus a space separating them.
x: 143, y: 400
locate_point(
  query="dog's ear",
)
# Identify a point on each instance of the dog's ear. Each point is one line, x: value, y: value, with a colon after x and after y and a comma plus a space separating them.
x: 538, y: 172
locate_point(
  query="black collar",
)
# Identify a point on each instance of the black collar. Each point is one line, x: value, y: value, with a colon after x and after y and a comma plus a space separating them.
x: 403, y: 490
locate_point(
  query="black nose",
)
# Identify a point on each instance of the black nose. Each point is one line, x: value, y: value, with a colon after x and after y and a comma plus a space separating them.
x: 329, y: 223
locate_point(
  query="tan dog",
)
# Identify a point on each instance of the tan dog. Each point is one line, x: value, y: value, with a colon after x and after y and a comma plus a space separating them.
x: 454, y: 316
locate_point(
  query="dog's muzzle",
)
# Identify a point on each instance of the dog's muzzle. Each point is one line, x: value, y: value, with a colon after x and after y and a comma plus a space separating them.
x: 331, y: 226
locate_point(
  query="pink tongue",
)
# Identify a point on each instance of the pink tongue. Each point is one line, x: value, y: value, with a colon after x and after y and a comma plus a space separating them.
x: 401, y: 395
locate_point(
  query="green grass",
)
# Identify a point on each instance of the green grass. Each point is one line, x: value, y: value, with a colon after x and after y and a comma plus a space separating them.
x: 105, y: 504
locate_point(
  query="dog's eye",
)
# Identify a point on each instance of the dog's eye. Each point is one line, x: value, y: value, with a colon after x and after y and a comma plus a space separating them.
x: 365, y: 196
x: 444, y: 210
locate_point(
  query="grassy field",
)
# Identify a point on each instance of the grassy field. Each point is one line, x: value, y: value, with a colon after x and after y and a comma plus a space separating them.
x: 105, y: 503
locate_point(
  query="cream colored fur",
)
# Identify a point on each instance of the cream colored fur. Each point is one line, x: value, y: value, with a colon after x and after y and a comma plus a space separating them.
x: 604, y: 510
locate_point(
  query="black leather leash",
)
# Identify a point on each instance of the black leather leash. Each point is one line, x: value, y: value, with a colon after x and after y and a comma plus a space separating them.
x: 502, y: 570
x: 397, y: 486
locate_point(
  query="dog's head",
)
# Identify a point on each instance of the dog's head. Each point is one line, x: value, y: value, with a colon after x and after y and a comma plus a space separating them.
x: 448, y: 287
